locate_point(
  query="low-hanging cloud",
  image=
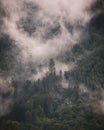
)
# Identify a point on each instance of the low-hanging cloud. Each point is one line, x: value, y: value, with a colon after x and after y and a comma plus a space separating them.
x: 44, y: 29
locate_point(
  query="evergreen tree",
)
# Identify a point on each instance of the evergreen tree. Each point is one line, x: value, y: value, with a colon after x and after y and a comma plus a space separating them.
x: 52, y: 66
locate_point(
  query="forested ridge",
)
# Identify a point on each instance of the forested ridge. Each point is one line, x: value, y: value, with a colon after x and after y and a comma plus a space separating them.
x: 58, y: 99
x: 46, y: 105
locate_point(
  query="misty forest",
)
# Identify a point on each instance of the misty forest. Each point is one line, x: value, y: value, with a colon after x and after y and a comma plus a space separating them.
x: 52, y: 65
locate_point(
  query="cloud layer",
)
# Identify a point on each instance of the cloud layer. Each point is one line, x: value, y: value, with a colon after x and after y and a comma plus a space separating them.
x: 44, y: 29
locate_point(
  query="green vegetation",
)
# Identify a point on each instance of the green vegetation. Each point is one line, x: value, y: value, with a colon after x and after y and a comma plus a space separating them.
x: 46, y: 105
x: 89, y: 63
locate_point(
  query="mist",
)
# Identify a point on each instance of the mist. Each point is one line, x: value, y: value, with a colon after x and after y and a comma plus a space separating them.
x: 39, y: 28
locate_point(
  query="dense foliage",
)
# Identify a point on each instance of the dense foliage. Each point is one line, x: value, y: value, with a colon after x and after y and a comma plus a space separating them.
x: 53, y: 108
x: 45, y: 104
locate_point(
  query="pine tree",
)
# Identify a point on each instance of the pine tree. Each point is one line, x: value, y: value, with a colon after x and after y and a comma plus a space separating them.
x: 52, y: 66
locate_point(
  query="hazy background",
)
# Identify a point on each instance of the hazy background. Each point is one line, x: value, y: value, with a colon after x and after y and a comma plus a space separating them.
x: 38, y: 30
